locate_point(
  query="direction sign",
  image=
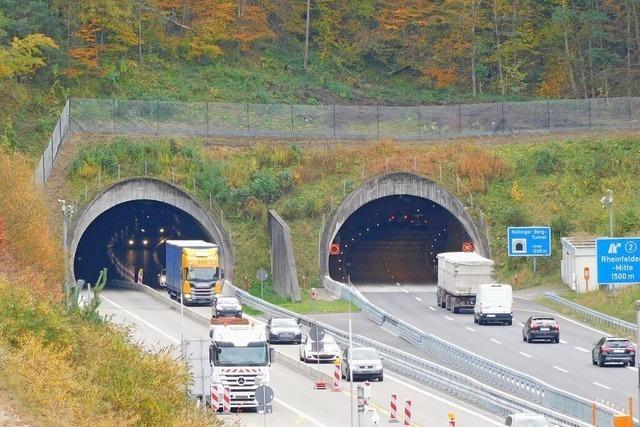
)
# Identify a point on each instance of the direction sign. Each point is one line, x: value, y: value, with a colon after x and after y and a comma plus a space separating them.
x: 529, y: 241
x: 618, y: 260
x: 264, y: 395
x: 262, y: 274
x: 316, y: 333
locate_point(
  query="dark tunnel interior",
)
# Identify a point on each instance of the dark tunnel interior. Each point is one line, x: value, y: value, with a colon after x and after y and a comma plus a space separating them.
x: 130, y: 237
x: 395, y: 239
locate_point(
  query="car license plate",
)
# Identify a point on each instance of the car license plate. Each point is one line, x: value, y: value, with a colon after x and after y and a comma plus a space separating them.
x: 544, y: 329
x: 491, y: 315
x: 618, y: 351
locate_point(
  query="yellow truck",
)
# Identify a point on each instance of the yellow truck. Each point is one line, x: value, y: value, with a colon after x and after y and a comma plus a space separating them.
x: 193, y: 270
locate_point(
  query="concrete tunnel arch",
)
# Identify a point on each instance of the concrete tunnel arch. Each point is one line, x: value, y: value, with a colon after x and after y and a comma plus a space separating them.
x: 399, y: 184
x: 155, y: 190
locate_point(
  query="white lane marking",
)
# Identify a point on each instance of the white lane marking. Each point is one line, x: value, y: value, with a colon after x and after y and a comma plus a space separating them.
x: 603, y: 386
x: 584, y: 350
x: 521, y: 324
x: 560, y: 369
x: 448, y: 318
x: 397, y: 284
x: 632, y: 368
x: 405, y: 291
x: 296, y: 411
x: 563, y: 342
x: 525, y: 354
x: 286, y: 405
x: 431, y: 308
x: 155, y: 328
x: 469, y: 329
x: 495, y: 341
x: 445, y: 401
x: 418, y: 299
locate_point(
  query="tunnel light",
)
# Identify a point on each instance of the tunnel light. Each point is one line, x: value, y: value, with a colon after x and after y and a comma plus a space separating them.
x: 367, y: 228
x: 145, y: 242
x: 142, y: 229
x: 131, y: 242
x: 162, y: 230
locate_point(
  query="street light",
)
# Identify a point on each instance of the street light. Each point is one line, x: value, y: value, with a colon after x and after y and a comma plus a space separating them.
x: 607, y: 202
x: 349, y: 352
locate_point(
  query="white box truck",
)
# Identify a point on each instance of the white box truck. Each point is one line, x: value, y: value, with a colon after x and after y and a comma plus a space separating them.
x: 459, y: 274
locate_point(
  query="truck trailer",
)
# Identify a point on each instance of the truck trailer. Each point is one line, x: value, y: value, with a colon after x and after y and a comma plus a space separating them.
x: 240, y: 357
x: 193, y: 270
x: 459, y: 274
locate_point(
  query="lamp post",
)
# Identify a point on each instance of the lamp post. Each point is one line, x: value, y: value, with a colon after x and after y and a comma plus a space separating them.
x: 638, y: 348
x: 607, y: 202
x: 349, y: 354
x: 67, y: 214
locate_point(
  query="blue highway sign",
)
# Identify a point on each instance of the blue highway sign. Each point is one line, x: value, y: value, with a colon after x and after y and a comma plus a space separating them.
x: 529, y: 241
x: 618, y: 260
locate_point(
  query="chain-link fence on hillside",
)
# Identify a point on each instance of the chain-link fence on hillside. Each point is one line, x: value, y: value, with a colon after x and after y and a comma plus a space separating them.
x: 343, y: 122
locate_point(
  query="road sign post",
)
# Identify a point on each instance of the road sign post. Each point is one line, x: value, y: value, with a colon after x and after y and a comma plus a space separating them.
x: 264, y: 397
x: 262, y: 275
x: 618, y: 260
x: 529, y: 242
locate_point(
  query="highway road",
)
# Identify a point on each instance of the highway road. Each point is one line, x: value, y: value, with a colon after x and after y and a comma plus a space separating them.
x: 297, y: 403
x: 566, y: 365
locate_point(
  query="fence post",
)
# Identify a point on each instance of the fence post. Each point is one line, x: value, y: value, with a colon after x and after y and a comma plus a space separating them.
x: 378, y: 119
x: 419, y: 123
x: 548, y: 114
x: 157, y: 117
x: 113, y: 105
x: 291, y: 121
x: 207, y: 114
x: 334, y: 120
x: 589, y: 109
x: 503, y: 119
x: 248, y: 131
x: 629, y: 110
x: 460, y: 119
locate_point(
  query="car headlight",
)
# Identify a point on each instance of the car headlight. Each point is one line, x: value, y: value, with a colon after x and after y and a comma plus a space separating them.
x: 188, y: 296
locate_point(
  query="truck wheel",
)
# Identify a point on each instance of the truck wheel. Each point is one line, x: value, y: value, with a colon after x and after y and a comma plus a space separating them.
x: 448, y: 303
x: 455, y: 309
x: 475, y: 319
x: 509, y: 322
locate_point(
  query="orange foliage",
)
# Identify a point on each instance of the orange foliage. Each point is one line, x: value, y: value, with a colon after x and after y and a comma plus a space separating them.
x: 252, y: 26
x: 29, y: 252
x: 442, y: 76
x: 479, y: 165
x: 555, y: 83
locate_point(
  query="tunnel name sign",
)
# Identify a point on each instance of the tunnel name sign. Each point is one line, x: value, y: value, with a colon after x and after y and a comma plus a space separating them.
x: 618, y: 260
x: 529, y: 241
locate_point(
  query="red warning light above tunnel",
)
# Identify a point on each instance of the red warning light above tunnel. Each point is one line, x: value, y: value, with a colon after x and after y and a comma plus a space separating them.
x: 334, y: 249
x: 467, y: 247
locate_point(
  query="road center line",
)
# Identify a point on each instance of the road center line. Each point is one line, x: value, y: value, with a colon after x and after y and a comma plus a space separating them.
x: 632, y: 368
x: 521, y: 324
x: 155, y: 328
x: 297, y: 412
x: 525, y: 354
x: 469, y: 329
x: 418, y: 299
x: 397, y: 284
x: 560, y: 369
x: 495, y: 341
x: 431, y: 308
x: 405, y: 291
x: 603, y: 386
x: 563, y: 342
x: 584, y: 350
x: 448, y: 318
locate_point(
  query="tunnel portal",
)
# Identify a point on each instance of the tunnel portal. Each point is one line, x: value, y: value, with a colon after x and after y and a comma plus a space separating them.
x: 130, y: 237
x: 395, y: 239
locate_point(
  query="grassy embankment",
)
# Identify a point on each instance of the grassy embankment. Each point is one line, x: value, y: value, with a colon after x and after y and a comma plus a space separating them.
x: 539, y: 182
x: 70, y: 368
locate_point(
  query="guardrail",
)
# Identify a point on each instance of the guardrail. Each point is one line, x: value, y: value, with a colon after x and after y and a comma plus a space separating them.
x: 595, y: 316
x: 559, y: 406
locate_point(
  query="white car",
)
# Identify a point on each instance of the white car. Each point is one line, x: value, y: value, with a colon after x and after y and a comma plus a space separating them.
x: 326, y: 350
x: 527, y: 420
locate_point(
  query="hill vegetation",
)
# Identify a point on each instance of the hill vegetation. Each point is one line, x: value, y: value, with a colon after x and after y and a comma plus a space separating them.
x: 68, y: 368
x: 364, y: 51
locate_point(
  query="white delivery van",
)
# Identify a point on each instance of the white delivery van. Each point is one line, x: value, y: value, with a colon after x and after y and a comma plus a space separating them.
x: 494, y: 304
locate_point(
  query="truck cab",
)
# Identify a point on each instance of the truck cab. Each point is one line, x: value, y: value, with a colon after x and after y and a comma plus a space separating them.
x: 239, y: 356
x: 193, y: 270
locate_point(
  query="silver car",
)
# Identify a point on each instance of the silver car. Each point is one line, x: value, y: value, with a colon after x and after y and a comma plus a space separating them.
x: 527, y: 420
x: 364, y: 363
x: 326, y: 350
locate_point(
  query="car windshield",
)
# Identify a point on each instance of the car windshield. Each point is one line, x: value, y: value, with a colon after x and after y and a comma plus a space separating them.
x: 617, y: 343
x: 202, y: 274
x: 242, y: 356
x: 544, y: 321
x: 288, y: 321
x: 364, y: 354
x: 228, y: 301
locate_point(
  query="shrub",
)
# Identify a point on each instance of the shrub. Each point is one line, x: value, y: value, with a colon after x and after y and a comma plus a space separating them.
x: 546, y: 161
x: 264, y: 186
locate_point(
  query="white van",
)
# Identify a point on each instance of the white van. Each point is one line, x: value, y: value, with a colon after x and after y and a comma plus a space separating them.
x: 494, y: 304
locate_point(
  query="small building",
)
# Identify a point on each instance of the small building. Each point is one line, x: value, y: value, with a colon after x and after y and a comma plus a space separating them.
x: 578, y: 265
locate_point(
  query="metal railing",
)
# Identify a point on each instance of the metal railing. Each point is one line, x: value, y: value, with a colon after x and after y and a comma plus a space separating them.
x: 594, y: 316
x: 475, y: 384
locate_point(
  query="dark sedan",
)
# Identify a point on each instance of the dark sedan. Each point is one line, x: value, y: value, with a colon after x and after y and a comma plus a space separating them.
x: 541, y: 328
x: 226, y: 307
x: 283, y: 330
x: 613, y: 350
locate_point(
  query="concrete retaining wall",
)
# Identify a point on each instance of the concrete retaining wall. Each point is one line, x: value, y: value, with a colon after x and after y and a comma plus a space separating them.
x: 283, y: 263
